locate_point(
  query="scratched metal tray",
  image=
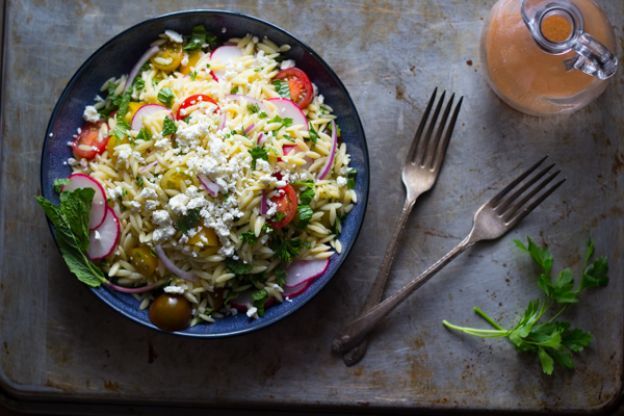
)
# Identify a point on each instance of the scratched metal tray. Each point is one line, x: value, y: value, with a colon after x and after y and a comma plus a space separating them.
x: 59, y: 344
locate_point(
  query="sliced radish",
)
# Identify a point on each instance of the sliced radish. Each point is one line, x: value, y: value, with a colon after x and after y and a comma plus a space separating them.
x: 222, y: 56
x: 144, y: 111
x: 291, y: 292
x: 287, y: 148
x: 332, y: 153
x: 104, y: 239
x: 288, y: 109
x: 305, y: 271
x: 98, y: 206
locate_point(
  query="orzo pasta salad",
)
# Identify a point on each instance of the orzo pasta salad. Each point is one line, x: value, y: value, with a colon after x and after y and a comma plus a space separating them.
x: 209, y: 181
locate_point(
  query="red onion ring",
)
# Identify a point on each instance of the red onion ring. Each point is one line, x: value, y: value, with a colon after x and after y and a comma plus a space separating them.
x: 332, y: 154
x: 135, y: 71
x: 169, y: 265
x: 264, y: 205
x: 261, y: 139
x: 210, y: 187
x: 249, y: 128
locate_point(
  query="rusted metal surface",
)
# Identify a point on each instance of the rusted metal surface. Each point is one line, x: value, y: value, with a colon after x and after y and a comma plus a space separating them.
x: 58, y: 342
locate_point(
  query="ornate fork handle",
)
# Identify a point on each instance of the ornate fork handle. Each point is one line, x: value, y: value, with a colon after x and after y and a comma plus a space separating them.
x: 358, y: 329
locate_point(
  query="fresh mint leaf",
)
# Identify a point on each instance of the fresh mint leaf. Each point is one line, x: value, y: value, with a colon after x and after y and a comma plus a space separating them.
x: 282, y: 88
x: 59, y: 184
x: 71, y: 224
x: 169, y: 127
x: 165, y: 96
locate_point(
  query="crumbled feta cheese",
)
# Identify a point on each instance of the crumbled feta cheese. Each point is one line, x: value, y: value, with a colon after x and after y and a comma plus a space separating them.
x: 147, y: 193
x: 287, y: 63
x: 163, y: 233
x: 162, y: 143
x: 91, y: 114
x: 223, y: 30
x: 341, y: 181
x: 178, y: 204
x: 151, y: 205
x: 252, y: 311
x: 174, y: 36
x: 272, y: 210
x: 175, y: 290
x: 161, y: 217
x: 123, y: 151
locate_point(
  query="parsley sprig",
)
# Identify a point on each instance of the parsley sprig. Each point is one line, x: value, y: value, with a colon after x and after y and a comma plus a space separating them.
x: 553, y: 341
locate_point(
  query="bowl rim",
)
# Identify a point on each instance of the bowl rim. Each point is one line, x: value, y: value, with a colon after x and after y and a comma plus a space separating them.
x: 362, y: 200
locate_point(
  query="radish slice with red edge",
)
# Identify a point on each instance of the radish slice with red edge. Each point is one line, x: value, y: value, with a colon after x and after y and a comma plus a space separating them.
x: 332, y: 153
x: 287, y: 148
x: 104, y: 239
x: 146, y: 110
x: 223, y: 55
x: 98, y: 206
x: 291, y: 292
x: 169, y: 265
x: 288, y: 109
x: 135, y: 70
x: 210, y: 187
x: 140, y: 289
x: 305, y: 271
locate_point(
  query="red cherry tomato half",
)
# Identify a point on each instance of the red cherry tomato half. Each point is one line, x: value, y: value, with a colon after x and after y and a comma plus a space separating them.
x: 286, y: 206
x: 301, y: 91
x: 192, y: 100
x: 88, y: 144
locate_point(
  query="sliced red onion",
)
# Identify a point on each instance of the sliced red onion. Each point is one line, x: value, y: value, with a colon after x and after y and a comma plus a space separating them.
x: 332, y: 153
x: 287, y: 148
x: 223, y: 120
x: 264, y: 204
x: 249, y: 128
x: 148, y: 167
x: 210, y: 187
x: 169, y: 265
x: 141, y: 289
x: 144, y: 58
x: 261, y: 139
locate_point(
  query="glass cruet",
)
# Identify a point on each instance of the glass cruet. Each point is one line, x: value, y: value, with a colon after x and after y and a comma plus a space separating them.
x: 548, y: 56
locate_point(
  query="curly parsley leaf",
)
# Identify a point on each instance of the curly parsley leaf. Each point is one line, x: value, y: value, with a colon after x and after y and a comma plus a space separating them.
x: 282, y: 88
x: 71, y: 225
x: 169, y: 127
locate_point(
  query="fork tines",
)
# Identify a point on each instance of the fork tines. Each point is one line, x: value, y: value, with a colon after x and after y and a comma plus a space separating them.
x: 428, y: 149
x: 525, y: 192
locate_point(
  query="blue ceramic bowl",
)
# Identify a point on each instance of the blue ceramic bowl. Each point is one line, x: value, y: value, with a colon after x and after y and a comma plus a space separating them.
x: 118, y: 56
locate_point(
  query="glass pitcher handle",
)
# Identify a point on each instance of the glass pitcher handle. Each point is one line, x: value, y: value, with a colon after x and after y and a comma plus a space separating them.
x: 592, y: 57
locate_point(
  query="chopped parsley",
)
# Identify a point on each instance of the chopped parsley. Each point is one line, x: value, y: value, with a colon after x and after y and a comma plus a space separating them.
x: 282, y: 87
x: 234, y: 90
x: 280, y: 276
x: 286, y: 249
x: 139, y: 181
x: 253, y: 108
x: 165, y: 96
x: 189, y: 220
x: 351, y: 174
x: 304, y: 215
x: 285, y: 122
x: 193, y: 75
x: 256, y: 153
x: 279, y: 216
x: 313, y: 134
x: 169, y: 127
x: 59, y: 184
x: 144, y: 134
x: 306, y: 191
x: 249, y: 237
x: 237, y: 267
x: 199, y: 37
x: 259, y: 299
x: 262, y: 114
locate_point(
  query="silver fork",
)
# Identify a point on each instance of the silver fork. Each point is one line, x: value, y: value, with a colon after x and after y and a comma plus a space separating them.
x: 491, y: 221
x: 419, y: 173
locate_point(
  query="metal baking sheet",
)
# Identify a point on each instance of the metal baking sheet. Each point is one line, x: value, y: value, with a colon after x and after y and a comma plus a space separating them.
x: 59, y: 343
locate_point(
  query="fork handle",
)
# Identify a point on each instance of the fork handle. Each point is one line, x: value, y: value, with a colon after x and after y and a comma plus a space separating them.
x: 357, y: 330
x: 379, y: 284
